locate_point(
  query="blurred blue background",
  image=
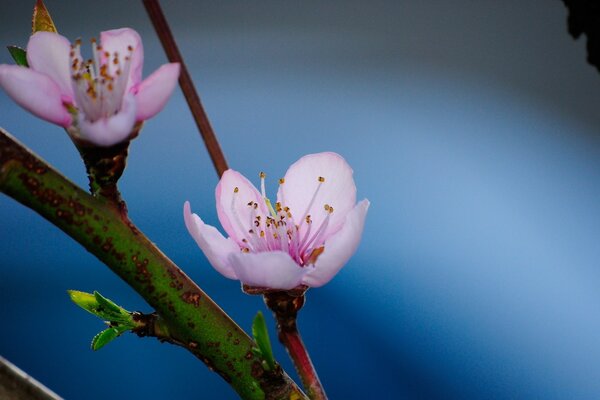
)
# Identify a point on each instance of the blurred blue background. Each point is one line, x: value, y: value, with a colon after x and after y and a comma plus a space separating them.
x: 471, y: 126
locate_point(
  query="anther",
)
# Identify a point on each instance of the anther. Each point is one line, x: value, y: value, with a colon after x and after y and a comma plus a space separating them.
x: 321, y: 179
x: 281, y: 181
x: 262, y: 175
x: 236, y: 189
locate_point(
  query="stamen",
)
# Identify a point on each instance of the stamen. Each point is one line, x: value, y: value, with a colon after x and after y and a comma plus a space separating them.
x: 321, y: 180
x: 262, y: 176
x: 237, y: 220
x: 316, y: 237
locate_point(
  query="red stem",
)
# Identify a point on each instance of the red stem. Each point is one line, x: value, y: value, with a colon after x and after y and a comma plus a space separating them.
x: 306, y: 370
x: 285, y: 306
x: 187, y: 86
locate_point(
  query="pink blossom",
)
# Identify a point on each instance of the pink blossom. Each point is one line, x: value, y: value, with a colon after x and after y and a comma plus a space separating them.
x: 98, y: 100
x: 305, y: 238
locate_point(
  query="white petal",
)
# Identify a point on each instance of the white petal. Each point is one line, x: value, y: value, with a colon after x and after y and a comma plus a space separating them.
x: 112, y: 130
x: 153, y: 93
x: 118, y: 40
x: 275, y: 269
x: 339, y: 248
x: 338, y: 190
x: 232, y: 208
x: 35, y: 92
x: 215, y: 247
x: 48, y: 53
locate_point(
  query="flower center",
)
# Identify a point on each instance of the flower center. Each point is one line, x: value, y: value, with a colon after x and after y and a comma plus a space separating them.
x: 279, y: 230
x: 100, y: 82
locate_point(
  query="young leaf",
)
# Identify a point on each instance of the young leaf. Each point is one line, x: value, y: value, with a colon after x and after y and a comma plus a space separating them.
x: 261, y: 337
x: 19, y: 55
x: 109, y: 307
x: 87, y: 301
x: 41, y: 21
x: 102, y: 308
x: 104, y: 337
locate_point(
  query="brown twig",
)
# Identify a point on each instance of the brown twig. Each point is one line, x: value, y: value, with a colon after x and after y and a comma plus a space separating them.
x: 187, y: 86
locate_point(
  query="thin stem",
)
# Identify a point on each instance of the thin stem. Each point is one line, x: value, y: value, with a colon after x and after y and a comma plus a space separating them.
x: 18, y: 385
x: 285, y: 307
x: 187, y: 86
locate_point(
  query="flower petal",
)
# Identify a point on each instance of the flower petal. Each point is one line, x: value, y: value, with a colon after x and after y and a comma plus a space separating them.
x: 215, y: 247
x: 274, y: 269
x: 155, y: 90
x: 118, y: 41
x: 48, y: 53
x: 301, y: 182
x: 112, y: 130
x: 339, y: 248
x: 232, y: 208
x: 35, y: 92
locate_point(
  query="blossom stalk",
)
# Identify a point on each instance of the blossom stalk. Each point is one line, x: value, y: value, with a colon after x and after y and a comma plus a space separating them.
x: 285, y: 307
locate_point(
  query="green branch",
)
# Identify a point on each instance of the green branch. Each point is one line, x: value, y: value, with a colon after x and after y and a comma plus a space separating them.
x: 100, y: 227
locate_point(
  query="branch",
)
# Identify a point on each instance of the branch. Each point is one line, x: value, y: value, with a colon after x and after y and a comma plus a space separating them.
x: 187, y: 86
x: 17, y: 385
x: 99, y: 226
x: 584, y: 18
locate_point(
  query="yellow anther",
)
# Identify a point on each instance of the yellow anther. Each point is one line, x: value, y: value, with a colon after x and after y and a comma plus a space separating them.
x: 262, y: 175
x: 236, y: 189
x: 245, y: 250
x: 321, y: 179
x: 281, y: 181
x: 308, y: 220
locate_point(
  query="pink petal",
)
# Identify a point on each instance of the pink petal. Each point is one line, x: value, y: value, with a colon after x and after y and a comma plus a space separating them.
x: 111, y: 130
x: 48, y: 53
x: 338, y: 248
x: 338, y: 190
x: 215, y: 247
x: 155, y: 90
x: 275, y: 269
x: 35, y: 92
x: 232, y: 208
x: 118, y: 40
